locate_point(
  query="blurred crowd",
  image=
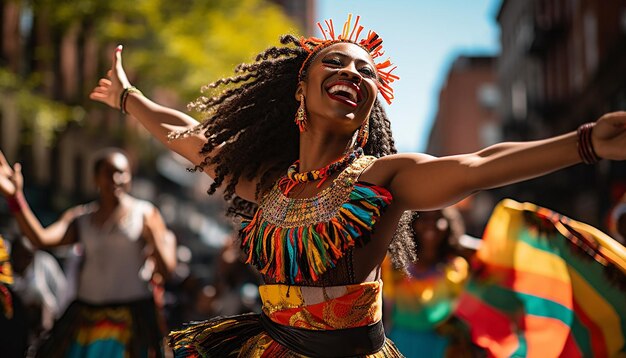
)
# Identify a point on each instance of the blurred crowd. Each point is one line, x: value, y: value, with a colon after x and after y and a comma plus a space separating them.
x: 108, y: 273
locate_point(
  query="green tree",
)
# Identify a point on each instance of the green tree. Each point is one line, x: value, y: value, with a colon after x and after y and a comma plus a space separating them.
x: 184, y: 45
x: 173, y: 45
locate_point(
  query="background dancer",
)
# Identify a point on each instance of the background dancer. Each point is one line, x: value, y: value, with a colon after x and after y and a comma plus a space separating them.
x: 114, y: 314
x: 419, y: 305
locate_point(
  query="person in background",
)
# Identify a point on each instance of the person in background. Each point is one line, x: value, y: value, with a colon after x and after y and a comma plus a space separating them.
x: 41, y: 284
x: 419, y: 301
x: 114, y: 314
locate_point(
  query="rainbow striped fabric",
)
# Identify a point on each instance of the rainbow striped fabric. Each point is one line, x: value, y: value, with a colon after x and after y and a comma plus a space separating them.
x: 546, y: 286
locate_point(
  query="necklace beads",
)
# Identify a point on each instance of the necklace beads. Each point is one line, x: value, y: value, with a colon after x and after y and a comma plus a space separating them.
x: 296, y: 177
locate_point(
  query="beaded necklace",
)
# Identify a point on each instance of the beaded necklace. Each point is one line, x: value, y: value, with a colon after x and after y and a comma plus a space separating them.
x: 294, y: 177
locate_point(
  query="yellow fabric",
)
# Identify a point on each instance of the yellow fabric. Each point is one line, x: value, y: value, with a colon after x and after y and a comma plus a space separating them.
x: 334, y: 307
x: 315, y: 308
x: 6, y: 271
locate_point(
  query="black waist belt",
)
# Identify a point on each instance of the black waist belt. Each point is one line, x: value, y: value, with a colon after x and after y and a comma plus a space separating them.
x: 348, y: 342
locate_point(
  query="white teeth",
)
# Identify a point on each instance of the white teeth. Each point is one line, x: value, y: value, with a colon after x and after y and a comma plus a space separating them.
x: 343, y: 88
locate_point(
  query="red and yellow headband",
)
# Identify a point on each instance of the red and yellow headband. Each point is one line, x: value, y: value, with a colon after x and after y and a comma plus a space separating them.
x: 372, y: 44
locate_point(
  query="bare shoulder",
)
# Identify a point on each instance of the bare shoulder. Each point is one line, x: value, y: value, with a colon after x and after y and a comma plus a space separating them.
x: 383, y: 169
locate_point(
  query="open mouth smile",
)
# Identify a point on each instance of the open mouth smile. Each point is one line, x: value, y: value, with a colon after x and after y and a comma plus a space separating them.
x: 345, y: 92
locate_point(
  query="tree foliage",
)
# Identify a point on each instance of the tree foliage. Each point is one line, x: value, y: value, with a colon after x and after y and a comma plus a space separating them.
x: 173, y: 45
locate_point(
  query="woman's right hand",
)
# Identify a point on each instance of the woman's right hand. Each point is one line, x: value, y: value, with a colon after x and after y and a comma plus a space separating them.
x: 109, y: 89
x: 11, y: 179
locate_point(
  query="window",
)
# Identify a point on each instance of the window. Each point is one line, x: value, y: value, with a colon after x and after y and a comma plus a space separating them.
x: 489, y: 96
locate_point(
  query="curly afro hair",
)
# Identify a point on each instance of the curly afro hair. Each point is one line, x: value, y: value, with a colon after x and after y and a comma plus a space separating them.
x: 251, y: 118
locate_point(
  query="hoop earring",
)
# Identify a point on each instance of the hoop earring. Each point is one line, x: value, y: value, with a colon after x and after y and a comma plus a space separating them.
x: 301, y: 115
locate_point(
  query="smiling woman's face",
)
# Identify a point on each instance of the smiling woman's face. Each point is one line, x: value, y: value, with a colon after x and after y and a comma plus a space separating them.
x: 340, y: 87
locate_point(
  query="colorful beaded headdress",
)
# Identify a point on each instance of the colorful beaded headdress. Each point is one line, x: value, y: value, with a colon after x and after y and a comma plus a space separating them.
x: 372, y: 44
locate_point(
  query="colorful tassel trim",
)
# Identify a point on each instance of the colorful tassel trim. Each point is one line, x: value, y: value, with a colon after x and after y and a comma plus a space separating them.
x: 303, y: 253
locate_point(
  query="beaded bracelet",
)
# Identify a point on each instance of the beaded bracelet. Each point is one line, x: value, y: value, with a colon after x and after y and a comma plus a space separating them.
x: 585, y: 144
x: 16, y: 202
x: 124, y: 96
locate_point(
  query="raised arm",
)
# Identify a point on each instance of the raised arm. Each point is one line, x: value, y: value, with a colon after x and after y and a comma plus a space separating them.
x: 159, y: 120
x: 421, y: 182
x: 61, y: 232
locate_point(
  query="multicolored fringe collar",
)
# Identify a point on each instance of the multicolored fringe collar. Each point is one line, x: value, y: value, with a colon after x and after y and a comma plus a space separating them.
x: 295, y: 241
x: 373, y: 44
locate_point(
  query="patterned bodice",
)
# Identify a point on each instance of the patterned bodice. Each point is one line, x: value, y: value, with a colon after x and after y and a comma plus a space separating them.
x: 297, y: 240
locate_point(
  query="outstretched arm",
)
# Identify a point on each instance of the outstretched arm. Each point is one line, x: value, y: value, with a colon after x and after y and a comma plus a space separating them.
x: 59, y: 233
x: 421, y: 182
x: 160, y: 121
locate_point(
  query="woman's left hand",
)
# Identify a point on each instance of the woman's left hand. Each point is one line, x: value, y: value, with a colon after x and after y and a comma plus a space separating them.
x: 109, y: 89
x: 609, y: 136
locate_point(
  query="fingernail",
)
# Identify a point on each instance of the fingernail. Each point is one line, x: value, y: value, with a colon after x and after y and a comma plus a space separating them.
x: 119, y: 48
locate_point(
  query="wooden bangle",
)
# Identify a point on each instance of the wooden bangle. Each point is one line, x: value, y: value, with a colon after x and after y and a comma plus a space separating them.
x: 583, y: 150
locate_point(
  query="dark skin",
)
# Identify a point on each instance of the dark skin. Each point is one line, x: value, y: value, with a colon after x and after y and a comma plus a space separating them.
x: 417, y: 181
x: 113, y: 179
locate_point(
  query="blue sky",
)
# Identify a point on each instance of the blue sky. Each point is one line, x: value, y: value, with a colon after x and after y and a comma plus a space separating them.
x: 422, y: 38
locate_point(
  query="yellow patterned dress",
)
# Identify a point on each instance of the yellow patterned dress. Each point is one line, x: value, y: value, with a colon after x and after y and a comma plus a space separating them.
x: 297, y: 244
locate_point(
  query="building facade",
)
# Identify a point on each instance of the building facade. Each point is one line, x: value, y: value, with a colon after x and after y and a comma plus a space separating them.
x: 466, y: 121
x: 561, y: 66
x: 302, y: 12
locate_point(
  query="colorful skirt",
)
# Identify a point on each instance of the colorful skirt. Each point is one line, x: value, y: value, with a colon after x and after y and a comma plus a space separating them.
x: 116, y: 330
x: 546, y: 286
x: 297, y: 321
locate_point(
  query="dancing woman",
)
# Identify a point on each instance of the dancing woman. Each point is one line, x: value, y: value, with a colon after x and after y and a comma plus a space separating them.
x: 329, y: 189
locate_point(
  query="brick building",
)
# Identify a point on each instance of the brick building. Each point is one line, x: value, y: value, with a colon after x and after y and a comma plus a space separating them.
x: 467, y: 121
x: 562, y: 65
